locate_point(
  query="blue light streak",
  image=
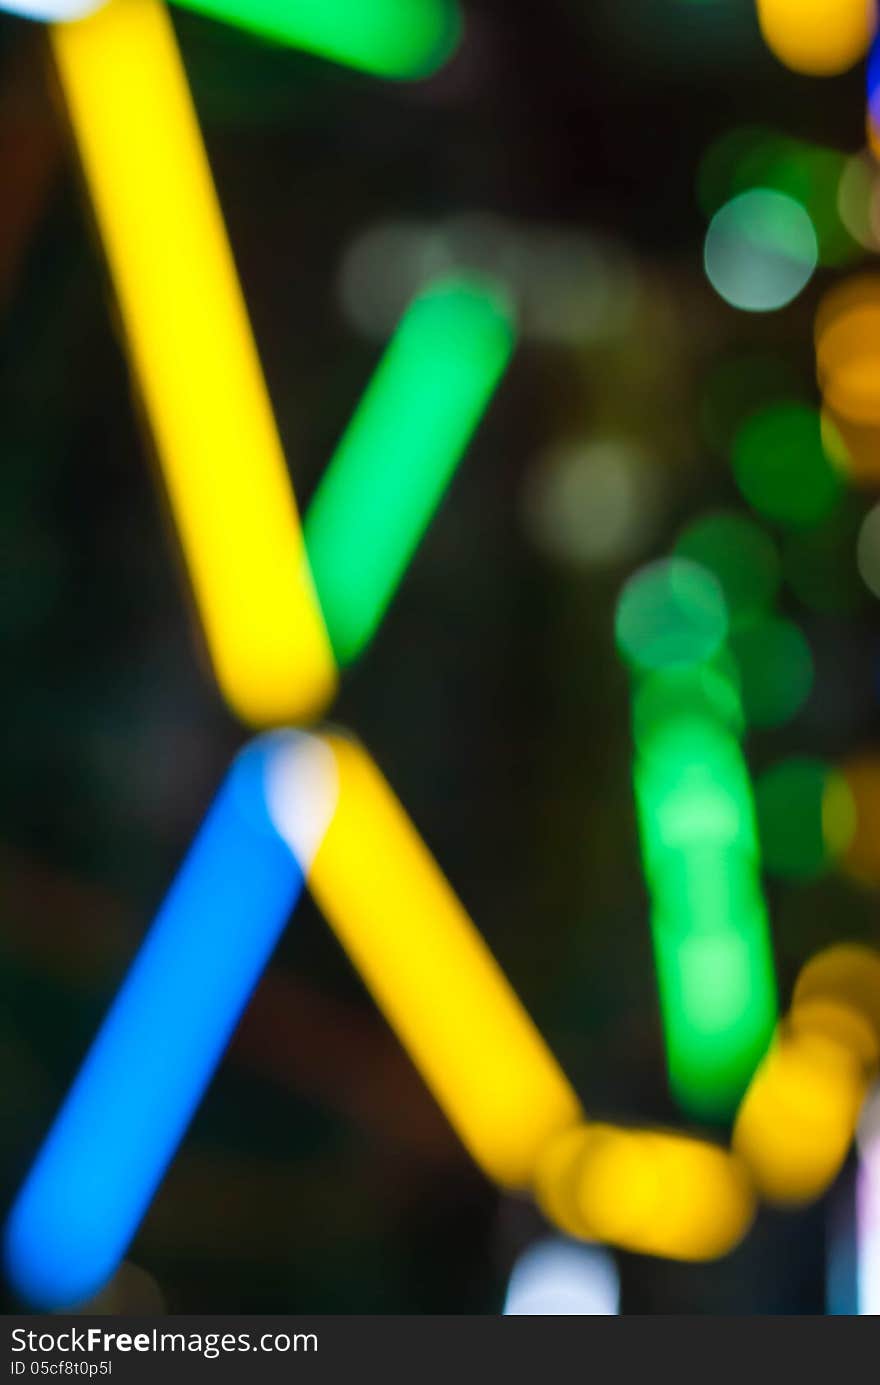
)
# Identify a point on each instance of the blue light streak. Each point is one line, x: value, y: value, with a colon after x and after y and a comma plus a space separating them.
x: 146, y: 1071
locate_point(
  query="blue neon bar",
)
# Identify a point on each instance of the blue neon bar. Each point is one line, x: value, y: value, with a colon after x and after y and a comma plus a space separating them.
x: 873, y: 84
x: 157, y: 1049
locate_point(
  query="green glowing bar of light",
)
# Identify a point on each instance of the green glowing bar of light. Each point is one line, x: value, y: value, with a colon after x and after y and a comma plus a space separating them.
x: 701, y: 857
x: 693, y: 789
x: 718, y: 998
x: 387, y: 38
x: 400, y: 450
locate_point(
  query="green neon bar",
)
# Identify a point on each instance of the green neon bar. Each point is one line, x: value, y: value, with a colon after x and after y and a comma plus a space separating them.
x: 387, y: 38
x: 708, y: 917
x: 400, y: 450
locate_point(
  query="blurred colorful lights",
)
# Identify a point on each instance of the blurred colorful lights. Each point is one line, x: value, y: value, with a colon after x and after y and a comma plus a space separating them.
x: 760, y: 251
x: 198, y: 369
x: 820, y: 38
x: 695, y: 630
x: 156, y: 1051
x: 698, y: 836
x: 296, y: 805
x: 195, y: 360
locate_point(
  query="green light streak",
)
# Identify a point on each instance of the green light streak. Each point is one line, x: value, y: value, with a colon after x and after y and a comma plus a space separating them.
x: 387, y: 38
x: 704, y: 690
x: 699, y: 842
x: 718, y: 999
x: 693, y: 791
x: 400, y: 450
x: 711, y: 937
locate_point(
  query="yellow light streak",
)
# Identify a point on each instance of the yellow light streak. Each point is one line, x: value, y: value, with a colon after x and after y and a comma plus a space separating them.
x: 435, y: 979
x: 797, y: 1120
x: 649, y: 1191
x: 195, y: 359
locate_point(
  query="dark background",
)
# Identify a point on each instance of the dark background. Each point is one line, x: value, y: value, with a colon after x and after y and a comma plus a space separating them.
x: 318, y: 1175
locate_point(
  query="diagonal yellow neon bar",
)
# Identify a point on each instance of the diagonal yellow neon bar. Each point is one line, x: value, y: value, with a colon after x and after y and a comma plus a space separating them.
x: 195, y: 360
x: 435, y: 979
x: 489, y: 1068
